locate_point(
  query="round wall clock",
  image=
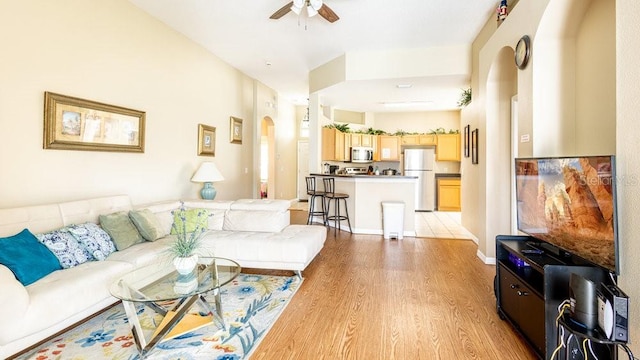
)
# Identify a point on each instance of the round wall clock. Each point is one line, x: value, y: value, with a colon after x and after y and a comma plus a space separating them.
x: 523, y: 51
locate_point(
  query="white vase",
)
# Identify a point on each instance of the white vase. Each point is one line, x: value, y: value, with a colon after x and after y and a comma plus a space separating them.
x: 185, y: 265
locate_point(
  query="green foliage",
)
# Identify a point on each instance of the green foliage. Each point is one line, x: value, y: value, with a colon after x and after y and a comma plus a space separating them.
x: 340, y: 127
x: 372, y: 131
x: 465, y: 98
x: 187, y: 243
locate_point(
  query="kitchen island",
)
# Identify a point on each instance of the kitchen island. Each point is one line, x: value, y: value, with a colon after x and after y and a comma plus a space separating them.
x: 366, y: 194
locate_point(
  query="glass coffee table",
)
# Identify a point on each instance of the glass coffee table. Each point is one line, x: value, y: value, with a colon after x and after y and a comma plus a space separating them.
x: 160, y: 287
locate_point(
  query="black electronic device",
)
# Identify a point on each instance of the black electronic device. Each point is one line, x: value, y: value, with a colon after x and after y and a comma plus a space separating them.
x: 613, y: 312
x: 584, y: 304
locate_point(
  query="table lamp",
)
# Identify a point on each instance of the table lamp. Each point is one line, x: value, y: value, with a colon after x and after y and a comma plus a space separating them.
x: 207, y: 173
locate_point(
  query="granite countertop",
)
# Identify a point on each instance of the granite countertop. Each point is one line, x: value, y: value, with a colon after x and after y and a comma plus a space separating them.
x: 448, y: 175
x: 366, y: 176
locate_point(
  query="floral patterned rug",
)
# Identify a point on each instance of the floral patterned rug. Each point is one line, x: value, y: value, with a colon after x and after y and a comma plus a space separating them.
x: 251, y: 304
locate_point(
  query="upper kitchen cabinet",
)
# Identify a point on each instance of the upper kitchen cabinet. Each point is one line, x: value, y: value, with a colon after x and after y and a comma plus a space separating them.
x: 361, y: 140
x: 335, y: 145
x: 388, y: 148
x: 448, y: 147
x: 423, y: 139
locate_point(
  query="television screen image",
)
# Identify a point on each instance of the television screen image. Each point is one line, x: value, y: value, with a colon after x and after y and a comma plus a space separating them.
x: 570, y: 203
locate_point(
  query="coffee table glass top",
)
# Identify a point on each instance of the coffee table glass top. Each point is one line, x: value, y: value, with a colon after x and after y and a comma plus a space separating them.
x: 161, y: 282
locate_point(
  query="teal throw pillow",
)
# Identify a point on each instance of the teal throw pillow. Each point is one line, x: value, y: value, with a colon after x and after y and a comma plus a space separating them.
x: 94, y: 239
x: 147, y: 224
x: 65, y: 247
x: 122, y: 231
x: 26, y: 257
x: 188, y: 220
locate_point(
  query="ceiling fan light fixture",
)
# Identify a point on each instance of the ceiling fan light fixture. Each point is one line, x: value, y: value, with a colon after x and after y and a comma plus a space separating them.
x: 311, y: 11
x: 297, y: 6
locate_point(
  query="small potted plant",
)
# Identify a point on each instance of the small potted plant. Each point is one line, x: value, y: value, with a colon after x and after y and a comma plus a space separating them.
x: 188, y: 240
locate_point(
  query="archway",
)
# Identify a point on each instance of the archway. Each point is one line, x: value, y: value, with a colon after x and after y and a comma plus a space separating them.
x: 266, y: 186
x: 501, y: 87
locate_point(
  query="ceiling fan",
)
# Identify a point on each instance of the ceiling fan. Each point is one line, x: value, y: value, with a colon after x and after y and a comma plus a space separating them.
x: 313, y: 7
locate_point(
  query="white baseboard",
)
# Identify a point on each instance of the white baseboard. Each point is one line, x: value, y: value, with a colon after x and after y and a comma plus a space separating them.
x: 486, y: 260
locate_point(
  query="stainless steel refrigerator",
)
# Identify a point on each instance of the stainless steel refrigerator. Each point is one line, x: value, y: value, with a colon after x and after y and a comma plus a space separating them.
x: 420, y: 163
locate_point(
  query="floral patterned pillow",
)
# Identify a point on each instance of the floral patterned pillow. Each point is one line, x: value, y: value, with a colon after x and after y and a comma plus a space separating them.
x: 94, y: 239
x: 65, y: 247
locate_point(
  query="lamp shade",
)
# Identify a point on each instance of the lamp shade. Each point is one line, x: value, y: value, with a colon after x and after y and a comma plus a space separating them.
x: 207, y: 172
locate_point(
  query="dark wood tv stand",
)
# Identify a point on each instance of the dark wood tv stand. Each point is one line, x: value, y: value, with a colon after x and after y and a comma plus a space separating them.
x: 528, y: 296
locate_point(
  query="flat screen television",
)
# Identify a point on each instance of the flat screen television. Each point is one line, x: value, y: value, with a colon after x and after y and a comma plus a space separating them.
x: 570, y: 202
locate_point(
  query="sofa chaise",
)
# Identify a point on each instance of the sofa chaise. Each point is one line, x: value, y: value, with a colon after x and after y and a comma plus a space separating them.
x: 255, y: 233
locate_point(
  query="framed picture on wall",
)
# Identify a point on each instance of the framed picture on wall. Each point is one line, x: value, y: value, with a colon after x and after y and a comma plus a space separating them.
x: 206, y: 140
x: 474, y: 146
x: 77, y: 124
x: 466, y: 141
x: 235, y: 130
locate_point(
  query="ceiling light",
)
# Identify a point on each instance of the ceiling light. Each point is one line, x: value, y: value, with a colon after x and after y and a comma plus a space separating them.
x: 407, y: 103
x: 404, y: 86
x: 312, y: 7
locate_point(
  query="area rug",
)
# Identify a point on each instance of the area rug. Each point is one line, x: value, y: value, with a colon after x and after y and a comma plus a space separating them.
x: 251, y: 304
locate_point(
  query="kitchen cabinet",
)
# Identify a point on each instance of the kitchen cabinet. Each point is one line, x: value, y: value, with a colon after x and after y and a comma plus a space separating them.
x: 448, y: 147
x: 449, y: 195
x: 361, y: 140
x: 356, y: 139
x: 335, y: 145
x: 423, y: 139
x: 367, y: 140
x: 388, y: 148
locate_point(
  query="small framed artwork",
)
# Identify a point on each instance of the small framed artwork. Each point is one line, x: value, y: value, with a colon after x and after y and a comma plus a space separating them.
x: 206, y: 140
x: 466, y: 141
x: 235, y: 130
x: 77, y: 124
x: 474, y: 146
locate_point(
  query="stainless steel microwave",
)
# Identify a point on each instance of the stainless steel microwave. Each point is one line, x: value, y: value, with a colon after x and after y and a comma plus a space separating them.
x: 361, y: 154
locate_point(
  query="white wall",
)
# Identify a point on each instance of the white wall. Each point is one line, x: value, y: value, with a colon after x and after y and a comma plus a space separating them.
x: 112, y: 52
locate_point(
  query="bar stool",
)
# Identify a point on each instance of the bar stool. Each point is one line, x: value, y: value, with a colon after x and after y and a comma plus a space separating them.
x: 313, y: 194
x: 330, y: 194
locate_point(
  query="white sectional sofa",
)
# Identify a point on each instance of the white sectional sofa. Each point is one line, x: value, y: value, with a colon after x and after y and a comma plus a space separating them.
x: 255, y: 233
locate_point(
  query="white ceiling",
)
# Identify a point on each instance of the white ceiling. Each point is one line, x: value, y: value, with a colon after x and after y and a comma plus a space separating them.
x: 280, y: 53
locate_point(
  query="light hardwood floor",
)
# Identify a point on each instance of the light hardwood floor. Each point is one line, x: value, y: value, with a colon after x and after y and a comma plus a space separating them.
x: 368, y: 298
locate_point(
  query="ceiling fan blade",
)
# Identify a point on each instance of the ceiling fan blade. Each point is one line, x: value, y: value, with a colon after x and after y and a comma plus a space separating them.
x: 328, y: 14
x: 282, y: 11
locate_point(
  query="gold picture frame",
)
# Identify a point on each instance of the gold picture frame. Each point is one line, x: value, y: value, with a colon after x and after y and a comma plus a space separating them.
x: 206, y: 140
x: 235, y: 132
x: 72, y: 123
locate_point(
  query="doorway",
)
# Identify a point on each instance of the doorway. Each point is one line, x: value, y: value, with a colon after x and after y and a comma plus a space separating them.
x: 266, y: 187
x: 303, y: 169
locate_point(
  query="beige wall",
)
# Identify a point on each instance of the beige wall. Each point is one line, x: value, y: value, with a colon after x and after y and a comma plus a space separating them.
x: 595, y: 79
x: 420, y: 122
x: 65, y: 48
x: 592, y: 30
x: 628, y: 156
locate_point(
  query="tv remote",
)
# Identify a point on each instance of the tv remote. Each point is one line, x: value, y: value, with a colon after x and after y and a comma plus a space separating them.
x: 532, y: 251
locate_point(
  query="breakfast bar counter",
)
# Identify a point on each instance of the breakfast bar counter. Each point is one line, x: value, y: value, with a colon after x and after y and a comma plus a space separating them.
x: 366, y: 194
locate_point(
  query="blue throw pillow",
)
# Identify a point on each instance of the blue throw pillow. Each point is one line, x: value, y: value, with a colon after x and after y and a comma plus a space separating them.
x: 65, y: 247
x: 94, y: 239
x: 29, y: 259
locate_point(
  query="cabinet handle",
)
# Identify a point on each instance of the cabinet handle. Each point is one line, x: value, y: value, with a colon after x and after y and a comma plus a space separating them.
x: 522, y: 293
x: 513, y: 286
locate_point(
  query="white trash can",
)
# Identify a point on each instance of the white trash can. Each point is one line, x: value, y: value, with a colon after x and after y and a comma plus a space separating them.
x: 393, y: 219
